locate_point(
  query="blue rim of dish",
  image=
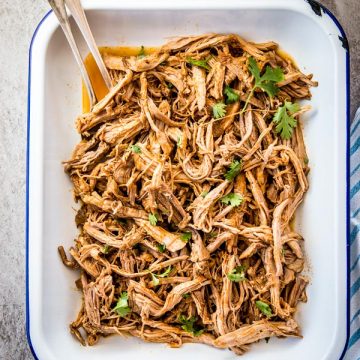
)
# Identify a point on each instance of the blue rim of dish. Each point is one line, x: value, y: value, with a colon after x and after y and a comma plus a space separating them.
x: 338, y: 25
x: 27, y: 191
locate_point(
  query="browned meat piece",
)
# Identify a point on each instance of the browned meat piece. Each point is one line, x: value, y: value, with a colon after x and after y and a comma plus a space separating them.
x: 258, y: 198
x: 171, y: 241
x: 114, y: 207
x: 276, y: 227
x: 297, y: 291
x: 105, y: 101
x: 87, y: 161
x: 199, y: 81
x: 125, y: 242
x: 136, y: 64
x: 248, y: 334
x: 121, y: 132
x: 202, y: 206
x: 176, y: 294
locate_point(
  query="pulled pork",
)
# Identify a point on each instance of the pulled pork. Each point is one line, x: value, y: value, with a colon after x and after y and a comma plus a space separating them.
x: 185, y: 218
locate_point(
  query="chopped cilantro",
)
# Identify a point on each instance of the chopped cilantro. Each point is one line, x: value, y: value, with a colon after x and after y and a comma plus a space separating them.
x: 234, y: 170
x: 232, y: 199
x: 200, y: 63
x: 231, y: 95
x: 219, y: 110
x: 122, y: 306
x: 237, y: 274
x: 153, y: 219
x: 188, y: 325
x: 161, y: 247
x: 186, y: 236
x: 264, y: 308
x: 136, y: 149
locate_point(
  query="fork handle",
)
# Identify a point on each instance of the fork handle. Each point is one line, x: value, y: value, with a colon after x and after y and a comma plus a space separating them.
x: 60, y: 12
x: 79, y: 16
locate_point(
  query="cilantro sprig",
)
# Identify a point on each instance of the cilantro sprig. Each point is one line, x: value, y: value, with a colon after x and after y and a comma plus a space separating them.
x: 232, y: 199
x: 122, y: 307
x: 188, y: 324
x: 234, y: 170
x: 264, y: 308
x: 266, y: 82
x: 285, y: 122
x: 237, y: 274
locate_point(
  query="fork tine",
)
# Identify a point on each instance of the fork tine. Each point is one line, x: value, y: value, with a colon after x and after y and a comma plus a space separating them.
x: 59, y: 9
x: 79, y: 16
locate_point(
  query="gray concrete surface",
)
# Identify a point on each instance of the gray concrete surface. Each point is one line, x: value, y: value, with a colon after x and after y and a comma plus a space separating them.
x: 18, y: 19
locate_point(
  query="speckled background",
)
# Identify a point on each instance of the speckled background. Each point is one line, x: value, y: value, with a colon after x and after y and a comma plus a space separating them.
x: 18, y: 19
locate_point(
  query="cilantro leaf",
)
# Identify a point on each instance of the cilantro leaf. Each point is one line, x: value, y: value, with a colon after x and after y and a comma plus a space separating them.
x: 161, y: 247
x: 153, y: 219
x: 264, y: 308
x: 285, y: 122
x: 292, y: 107
x: 232, y: 199
x: 254, y: 69
x: 234, y: 170
x: 122, y: 306
x: 186, y: 236
x: 272, y: 74
x: 219, y: 110
x: 270, y: 88
x: 237, y: 274
x: 200, y: 63
x: 266, y: 82
x: 204, y: 193
x: 186, y: 296
x: 231, y: 95
x: 169, y: 85
x: 188, y: 325
x: 141, y: 52
x: 136, y: 149
x: 155, y: 277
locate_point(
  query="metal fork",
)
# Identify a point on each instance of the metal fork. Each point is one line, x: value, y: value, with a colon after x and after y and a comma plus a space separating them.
x: 79, y: 16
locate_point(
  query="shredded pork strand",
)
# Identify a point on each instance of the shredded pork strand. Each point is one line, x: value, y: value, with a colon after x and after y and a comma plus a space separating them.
x: 150, y: 175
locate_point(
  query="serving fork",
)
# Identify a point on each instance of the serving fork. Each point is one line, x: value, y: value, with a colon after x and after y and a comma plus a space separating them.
x: 60, y: 8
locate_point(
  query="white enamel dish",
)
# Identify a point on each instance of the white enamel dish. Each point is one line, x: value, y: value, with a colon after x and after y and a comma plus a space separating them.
x: 55, y: 101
